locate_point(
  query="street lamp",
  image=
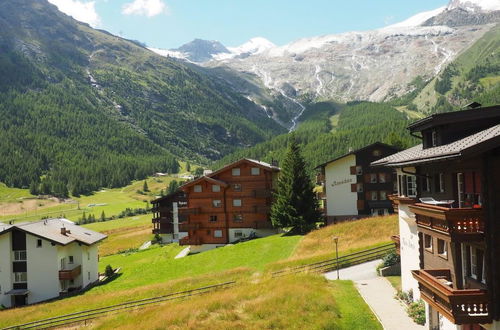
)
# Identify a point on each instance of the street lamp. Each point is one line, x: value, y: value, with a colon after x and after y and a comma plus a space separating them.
x: 336, y: 240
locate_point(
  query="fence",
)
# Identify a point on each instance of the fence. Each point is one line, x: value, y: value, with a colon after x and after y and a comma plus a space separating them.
x: 342, y: 262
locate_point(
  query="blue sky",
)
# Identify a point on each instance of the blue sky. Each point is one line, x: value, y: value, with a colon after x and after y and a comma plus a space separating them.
x: 171, y: 23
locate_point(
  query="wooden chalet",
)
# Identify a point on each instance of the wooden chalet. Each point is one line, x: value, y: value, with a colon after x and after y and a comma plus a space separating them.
x: 449, y: 217
x: 166, y: 219
x: 229, y: 204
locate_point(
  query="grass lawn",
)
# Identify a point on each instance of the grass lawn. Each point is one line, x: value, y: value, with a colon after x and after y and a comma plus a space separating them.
x: 395, y: 282
x: 297, y: 302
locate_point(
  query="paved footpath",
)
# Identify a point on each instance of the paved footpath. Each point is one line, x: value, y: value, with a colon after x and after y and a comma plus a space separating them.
x: 378, y: 294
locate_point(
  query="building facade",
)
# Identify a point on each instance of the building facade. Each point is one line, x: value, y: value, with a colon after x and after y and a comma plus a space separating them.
x: 45, y: 259
x: 352, y: 189
x: 449, y: 205
x: 166, y: 219
x: 228, y: 205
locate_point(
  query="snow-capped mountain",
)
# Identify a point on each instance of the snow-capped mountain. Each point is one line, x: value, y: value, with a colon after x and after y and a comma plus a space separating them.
x: 475, y: 5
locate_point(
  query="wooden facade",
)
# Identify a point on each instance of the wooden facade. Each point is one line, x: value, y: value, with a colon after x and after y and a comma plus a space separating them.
x: 236, y: 196
x: 163, y: 212
x: 458, y: 229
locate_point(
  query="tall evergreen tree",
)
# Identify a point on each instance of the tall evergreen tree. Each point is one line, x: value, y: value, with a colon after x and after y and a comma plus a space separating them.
x: 145, y: 187
x: 295, y: 203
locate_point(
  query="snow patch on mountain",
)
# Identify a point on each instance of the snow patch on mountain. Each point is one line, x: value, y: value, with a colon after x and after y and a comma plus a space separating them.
x: 419, y: 18
x: 473, y: 5
x: 169, y: 53
x: 254, y: 46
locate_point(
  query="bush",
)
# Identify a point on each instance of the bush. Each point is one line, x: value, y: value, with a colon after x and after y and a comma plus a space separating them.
x: 109, y: 271
x: 416, y: 310
x: 390, y: 259
x: 405, y: 296
x: 157, y: 239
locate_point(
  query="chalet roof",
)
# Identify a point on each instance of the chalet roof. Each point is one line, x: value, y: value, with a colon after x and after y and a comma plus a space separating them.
x: 169, y: 196
x: 468, y: 146
x: 4, y: 227
x: 205, y: 178
x: 357, y: 151
x: 258, y: 163
x: 50, y: 229
x: 455, y: 117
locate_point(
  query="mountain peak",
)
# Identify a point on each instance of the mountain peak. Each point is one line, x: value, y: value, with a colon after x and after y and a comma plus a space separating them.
x: 474, y: 5
x: 200, y: 50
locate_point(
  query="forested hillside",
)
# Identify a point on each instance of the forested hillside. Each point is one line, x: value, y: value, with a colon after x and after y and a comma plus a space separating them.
x: 330, y: 130
x: 82, y: 109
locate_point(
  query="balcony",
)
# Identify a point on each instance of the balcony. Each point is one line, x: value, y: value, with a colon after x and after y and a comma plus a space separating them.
x: 459, y: 306
x: 461, y: 224
x: 70, y: 274
x: 397, y: 242
x: 190, y: 241
x: 189, y: 226
x: 162, y: 220
x: 397, y: 200
x: 189, y: 210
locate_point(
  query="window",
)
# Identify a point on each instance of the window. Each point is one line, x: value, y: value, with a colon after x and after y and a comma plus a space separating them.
x: 213, y: 218
x: 88, y: 255
x: 38, y: 243
x: 476, y: 263
x: 383, y: 195
x: 88, y: 275
x: 197, y: 188
x: 71, y: 260
x: 434, y: 139
x: 237, y: 217
x: 359, y: 170
x: 376, y: 152
x: 411, y: 185
x: 442, y: 248
x: 460, y: 189
x: 215, y: 188
x: 216, y: 203
x: 21, y: 277
x: 359, y: 187
x: 428, y: 242
x: 236, y: 202
x: 238, y: 233
x: 237, y: 187
x: 218, y: 233
x: 255, y: 171
x: 381, y: 178
x: 426, y: 183
x: 373, y: 195
x: 441, y: 182
x: 373, y: 178
x: 235, y: 171
x: 473, y: 262
x: 20, y: 255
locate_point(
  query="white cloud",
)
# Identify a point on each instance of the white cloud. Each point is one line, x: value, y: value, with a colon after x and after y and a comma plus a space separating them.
x: 80, y: 10
x: 147, y: 8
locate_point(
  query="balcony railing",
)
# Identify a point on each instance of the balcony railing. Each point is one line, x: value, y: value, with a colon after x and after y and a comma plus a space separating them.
x: 189, y: 241
x: 397, y: 242
x: 466, y: 223
x: 459, y: 306
x: 162, y: 220
x: 70, y: 274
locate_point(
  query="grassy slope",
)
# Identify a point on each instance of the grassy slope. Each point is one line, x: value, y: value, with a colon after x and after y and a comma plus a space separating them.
x: 154, y: 272
x: 288, y: 303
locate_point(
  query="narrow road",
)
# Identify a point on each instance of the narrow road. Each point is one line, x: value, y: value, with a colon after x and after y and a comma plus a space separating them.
x: 378, y: 293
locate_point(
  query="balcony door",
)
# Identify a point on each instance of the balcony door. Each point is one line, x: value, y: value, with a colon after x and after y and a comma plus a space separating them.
x: 63, y: 263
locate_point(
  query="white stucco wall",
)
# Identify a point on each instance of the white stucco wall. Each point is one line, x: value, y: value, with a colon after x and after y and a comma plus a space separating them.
x: 43, y: 270
x: 90, y: 264
x: 5, y: 268
x: 338, y: 180
x: 409, y: 249
x: 247, y: 231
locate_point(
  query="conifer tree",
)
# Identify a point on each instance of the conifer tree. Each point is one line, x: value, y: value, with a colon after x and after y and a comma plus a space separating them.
x: 145, y: 187
x: 295, y: 203
x: 103, y: 216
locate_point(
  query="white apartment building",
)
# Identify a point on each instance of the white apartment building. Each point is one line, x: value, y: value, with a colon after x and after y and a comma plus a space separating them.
x: 45, y: 259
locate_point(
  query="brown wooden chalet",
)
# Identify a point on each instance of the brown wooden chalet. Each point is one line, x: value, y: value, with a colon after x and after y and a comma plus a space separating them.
x: 229, y: 204
x: 451, y: 184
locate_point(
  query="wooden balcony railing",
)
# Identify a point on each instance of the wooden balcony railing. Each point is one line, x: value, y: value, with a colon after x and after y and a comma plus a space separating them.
x: 462, y: 223
x: 189, y: 226
x: 70, y: 274
x: 190, y: 241
x: 162, y: 220
x: 189, y: 210
x: 459, y: 306
x: 397, y: 242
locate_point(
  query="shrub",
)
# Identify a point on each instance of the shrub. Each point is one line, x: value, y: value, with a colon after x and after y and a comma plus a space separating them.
x: 390, y: 259
x: 405, y: 296
x: 416, y: 310
x: 109, y: 271
x: 157, y: 239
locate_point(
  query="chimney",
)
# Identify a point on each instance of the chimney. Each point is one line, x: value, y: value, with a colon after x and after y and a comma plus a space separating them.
x: 63, y: 231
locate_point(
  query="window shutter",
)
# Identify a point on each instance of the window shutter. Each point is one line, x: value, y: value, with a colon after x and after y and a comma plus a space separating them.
x: 353, y: 170
x: 354, y: 187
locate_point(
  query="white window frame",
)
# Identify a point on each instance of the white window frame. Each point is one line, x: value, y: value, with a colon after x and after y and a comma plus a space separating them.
x: 359, y: 187
x: 473, y: 262
x: 444, y: 252
x: 359, y: 170
x: 411, y: 185
x: 20, y: 277
x: 430, y: 247
x: 197, y: 188
x: 255, y: 171
x: 216, y: 203
x: 382, y: 178
x: 238, y: 234
x: 373, y: 178
x: 434, y: 138
x: 215, y: 188
x: 236, y: 171
x: 71, y: 260
x: 20, y: 255
x: 218, y: 233
x: 374, y: 195
x: 238, y: 217
x: 460, y: 189
x: 441, y: 183
x: 383, y: 195
x: 237, y: 202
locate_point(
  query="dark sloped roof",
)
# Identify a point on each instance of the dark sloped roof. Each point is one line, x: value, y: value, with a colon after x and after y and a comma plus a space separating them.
x: 479, y: 142
x: 455, y: 117
x: 359, y: 150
